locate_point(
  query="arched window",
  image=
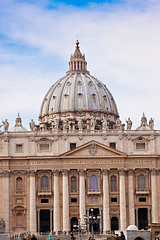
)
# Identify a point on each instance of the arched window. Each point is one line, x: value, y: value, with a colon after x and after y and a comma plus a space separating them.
x: 141, y: 182
x: 113, y: 183
x: 73, y: 184
x: 19, y: 185
x: 19, y: 219
x: 44, y: 183
x: 93, y: 182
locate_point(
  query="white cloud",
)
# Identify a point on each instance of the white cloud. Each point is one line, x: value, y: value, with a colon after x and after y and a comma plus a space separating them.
x: 121, y: 43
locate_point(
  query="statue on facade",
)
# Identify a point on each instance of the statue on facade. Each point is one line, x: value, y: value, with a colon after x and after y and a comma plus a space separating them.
x: 118, y: 124
x: 129, y: 124
x: 56, y: 124
x: 151, y: 124
x: 32, y: 125
x: 6, y: 125
x: 2, y: 226
x: 65, y: 125
x: 143, y: 120
x: 80, y: 124
x: 104, y: 124
x: 93, y: 123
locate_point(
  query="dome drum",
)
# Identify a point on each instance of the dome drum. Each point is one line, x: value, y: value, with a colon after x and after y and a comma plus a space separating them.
x: 86, y: 122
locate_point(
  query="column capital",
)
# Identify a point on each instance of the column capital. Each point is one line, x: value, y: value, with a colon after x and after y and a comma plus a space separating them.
x: 65, y: 171
x: 82, y: 171
x: 6, y: 173
x: 56, y: 172
x: 121, y: 171
x: 105, y: 171
x: 32, y: 173
x: 131, y: 171
x: 153, y: 171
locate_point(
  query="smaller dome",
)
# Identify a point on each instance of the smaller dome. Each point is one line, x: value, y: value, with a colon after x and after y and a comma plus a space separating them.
x: 18, y: 126
x: 132, y: 227
x: 144, y: 126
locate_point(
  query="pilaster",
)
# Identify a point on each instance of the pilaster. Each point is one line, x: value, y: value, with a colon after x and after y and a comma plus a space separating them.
x: 122, y: 189
x: 106, y: 216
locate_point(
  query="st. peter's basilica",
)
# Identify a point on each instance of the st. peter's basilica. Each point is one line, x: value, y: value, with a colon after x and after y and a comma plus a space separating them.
x: 79, y: 160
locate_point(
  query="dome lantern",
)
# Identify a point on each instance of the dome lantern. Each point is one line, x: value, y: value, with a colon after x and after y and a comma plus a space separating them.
x: 18, y: 125
x: 77, y: 61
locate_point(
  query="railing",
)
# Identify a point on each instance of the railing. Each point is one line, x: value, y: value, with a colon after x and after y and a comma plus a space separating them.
x: 94, y: 191
x: 44, y: 192
x: 142, y: 191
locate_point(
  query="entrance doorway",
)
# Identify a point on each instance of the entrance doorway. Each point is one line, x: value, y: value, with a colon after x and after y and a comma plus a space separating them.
x: 114, y: 223
x: 142, y: 218
x: 96, y: 225
x: 45, y: 220
x: 138, y: 238
x: 74, y: 224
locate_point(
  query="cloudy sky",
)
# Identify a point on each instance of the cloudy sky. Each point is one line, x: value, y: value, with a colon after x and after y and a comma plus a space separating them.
x: 121, y: 41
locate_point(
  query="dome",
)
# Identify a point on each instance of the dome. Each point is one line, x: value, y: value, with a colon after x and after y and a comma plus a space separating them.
x: 18, y: 126
x: 144, y: 126
x: 132, y: 227
x: 78, y: 91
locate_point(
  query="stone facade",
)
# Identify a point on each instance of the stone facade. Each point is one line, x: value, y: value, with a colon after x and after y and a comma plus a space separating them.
x: 75, y: 161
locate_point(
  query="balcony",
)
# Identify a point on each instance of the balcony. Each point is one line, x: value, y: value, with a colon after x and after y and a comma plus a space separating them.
x: 94, y: 191
x: 44, y: 193
x: 142, y: 192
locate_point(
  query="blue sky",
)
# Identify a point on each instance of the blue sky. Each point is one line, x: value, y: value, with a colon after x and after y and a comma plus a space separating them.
x: 121, y: 41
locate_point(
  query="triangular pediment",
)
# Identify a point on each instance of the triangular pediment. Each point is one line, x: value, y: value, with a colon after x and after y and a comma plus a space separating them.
x: 93, y: 148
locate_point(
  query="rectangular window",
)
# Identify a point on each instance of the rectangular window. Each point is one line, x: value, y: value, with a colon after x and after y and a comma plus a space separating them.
x: 44, y: 147
x: 142, y: 199
x: 113, y: 199
x: 73, y: 200
x: 19, y: 148
x: 44, y: 200
x: 140, y: 146
x: 112, y: 145
x: 72, y: 146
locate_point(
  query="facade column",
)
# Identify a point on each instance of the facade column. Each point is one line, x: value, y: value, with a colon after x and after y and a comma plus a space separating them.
x: 149, y: 215
x: 51, y: 220
x: 82, y: 195
x: 38, y: 212
x: 5, y: 199
x: 56, y: 203
x: 122, y: 194
x: 65, y: 202
x: 32, y: 201
x: 137, y: 217
x: 87, y: 223
x: 131, y: 196
x: 154, y: 196
x: 106, y: 215
x: 101, y: 220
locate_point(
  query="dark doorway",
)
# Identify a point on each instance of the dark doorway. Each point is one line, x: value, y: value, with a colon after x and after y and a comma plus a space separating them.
x: 114, y: 223
x: 142, y: 218
x: 44, y: 220
x: 74, y: 224
x: 139, y: 238
x: 96, y: 225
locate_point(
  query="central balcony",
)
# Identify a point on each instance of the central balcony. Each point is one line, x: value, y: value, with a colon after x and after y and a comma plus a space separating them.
x: 94, y: 191
x: 44, y: 193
